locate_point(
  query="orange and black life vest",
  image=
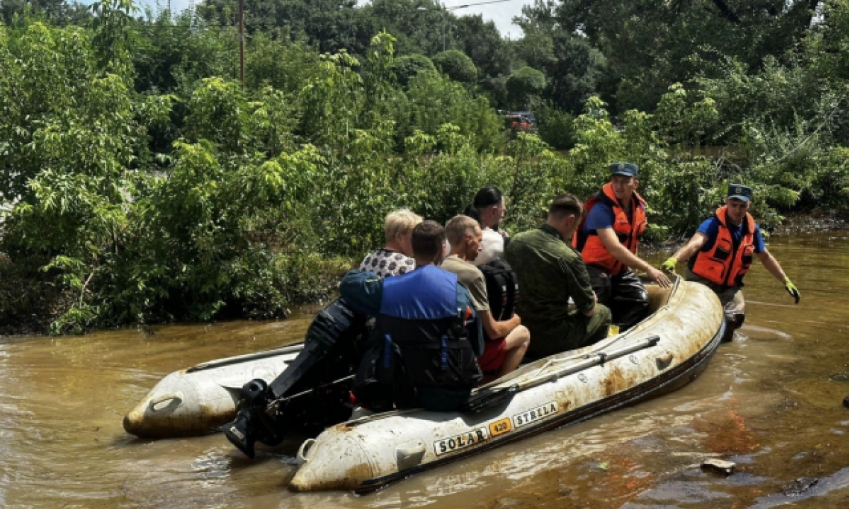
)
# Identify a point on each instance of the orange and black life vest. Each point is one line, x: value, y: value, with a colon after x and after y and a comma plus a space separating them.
x: 728, y: 260
x: 628, y: 231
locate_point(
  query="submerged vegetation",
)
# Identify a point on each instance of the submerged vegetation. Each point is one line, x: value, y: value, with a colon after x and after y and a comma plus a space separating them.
x: 146, y: 185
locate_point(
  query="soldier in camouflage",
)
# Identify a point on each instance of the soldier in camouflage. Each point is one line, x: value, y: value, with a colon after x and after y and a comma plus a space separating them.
x: 551, y: 274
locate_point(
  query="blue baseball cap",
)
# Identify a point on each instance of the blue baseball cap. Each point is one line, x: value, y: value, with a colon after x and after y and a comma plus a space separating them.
x: 740, y: 192
x: 627, y: 169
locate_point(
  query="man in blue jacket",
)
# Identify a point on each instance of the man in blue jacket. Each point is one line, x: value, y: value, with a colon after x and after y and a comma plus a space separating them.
x: 423, y: 352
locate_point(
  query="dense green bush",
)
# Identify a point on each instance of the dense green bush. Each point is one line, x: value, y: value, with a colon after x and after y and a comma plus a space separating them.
x: 524, y: 85
x: 148, y: 185
x: 408, y: 66
x: 433, y: 100
x: 29, y: 297
x: 457, y: 65
x: 556, y: 127
x: 261, y: 201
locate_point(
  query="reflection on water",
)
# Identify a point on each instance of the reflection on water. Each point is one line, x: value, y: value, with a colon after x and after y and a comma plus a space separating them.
x: 770, y: 402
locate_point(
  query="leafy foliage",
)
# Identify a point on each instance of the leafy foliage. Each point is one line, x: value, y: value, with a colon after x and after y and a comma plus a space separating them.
x: 524, y: 85
x: 146, y: 184
x: 54, y: 11
x: 406, y: 67
x: 556, y: 127
x: 456, y: 65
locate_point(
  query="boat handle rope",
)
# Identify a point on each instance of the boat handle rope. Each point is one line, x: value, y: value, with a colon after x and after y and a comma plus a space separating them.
x: 165, y: 397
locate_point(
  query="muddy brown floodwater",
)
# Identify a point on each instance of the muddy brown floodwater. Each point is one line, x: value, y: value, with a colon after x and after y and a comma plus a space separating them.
x: 770, y: 402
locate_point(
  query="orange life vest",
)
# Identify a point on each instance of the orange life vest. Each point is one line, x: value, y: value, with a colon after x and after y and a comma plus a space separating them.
x: 628, y: 232
x: 727, y: 261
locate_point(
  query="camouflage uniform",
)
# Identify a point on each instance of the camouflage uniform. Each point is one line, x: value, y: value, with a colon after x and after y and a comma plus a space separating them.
x: 550, y: 271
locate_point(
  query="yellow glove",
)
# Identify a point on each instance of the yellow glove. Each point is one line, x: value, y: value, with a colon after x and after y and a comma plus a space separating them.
x: 669, y: 265
x: 791, y: 289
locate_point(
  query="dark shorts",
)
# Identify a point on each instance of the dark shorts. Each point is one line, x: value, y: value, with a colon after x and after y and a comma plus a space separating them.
x: 494, y: 351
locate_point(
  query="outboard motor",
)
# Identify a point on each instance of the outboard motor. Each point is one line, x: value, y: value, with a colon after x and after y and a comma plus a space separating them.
x: 312, y: 393
x: 252, y: 423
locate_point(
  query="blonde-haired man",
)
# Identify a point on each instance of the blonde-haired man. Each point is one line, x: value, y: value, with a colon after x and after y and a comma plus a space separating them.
x: 395, y: 257
x: 506, y: 340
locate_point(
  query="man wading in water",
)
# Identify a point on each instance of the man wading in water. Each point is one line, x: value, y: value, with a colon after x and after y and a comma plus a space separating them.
x: 724, y: 246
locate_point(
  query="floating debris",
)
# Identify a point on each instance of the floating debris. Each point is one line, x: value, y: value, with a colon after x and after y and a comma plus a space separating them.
x: 719, y: 466
x: 840, y: 377
x: 800, y: 486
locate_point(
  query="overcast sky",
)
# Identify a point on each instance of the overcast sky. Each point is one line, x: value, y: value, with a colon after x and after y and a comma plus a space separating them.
x: 501, y: 13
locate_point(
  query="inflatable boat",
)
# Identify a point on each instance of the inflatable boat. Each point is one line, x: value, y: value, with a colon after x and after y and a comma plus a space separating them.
x: 303, y: 386
x: 200, y: 399
x: 662, y: 353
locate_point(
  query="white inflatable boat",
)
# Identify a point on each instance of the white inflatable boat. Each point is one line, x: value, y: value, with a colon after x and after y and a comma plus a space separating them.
x: 200, y: 399
x: 662, y: 353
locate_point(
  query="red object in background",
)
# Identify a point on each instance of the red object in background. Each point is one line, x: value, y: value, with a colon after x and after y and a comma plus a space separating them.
x: 518, y: 123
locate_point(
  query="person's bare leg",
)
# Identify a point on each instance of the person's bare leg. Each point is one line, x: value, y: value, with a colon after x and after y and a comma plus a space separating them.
x: 517, y: 344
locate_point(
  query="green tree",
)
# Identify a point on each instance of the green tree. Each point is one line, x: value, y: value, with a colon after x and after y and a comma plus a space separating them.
x: 524, y: 85
x: 556, y: 127
x: 112, y: 25
x: 329, y: 24
x: 407, y: 66
x: 650, y: 45
x: 434, y: 100
x: 457, y: 65
x: 279, y: 63
x: 482, y: 42
x: 417, y: 24
x: 58, y: 12
x: 170, y: 52
x: 574, y: 68
x: 332, y: 100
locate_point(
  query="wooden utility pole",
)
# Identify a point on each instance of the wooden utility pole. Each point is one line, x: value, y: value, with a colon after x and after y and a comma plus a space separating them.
x: 242, y: 42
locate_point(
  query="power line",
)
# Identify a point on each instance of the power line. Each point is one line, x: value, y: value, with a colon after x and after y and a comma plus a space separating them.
x: 453, y: 7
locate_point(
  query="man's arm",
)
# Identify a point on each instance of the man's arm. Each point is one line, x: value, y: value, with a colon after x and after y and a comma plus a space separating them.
x: 689, y: 249
x: 494, y: 329
x: 591, y: 312
x: 774, y: 268
x: 363, y: 291
x: 771, y: 264
x: 617, y: 250
x: 578, y: 284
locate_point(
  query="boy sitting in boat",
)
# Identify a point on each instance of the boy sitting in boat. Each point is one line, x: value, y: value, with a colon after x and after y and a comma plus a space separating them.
x: 506, y: 340
x: 551, y: 272
x: 423, y: 352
